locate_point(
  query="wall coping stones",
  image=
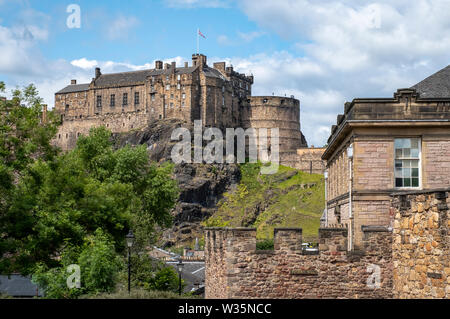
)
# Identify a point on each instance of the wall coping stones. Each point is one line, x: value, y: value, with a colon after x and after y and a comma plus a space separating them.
x: 373, y: 228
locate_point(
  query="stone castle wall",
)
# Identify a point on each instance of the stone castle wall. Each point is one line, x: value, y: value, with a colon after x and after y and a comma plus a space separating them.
x: 274, y: 112
x: 421, y: 246
x: 306, y: 159
x: 72, y: 129
x: 235, y: 269
x: 408, y: 260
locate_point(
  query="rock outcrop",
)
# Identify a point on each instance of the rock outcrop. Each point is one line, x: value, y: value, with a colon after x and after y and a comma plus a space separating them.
x: 201, y: 185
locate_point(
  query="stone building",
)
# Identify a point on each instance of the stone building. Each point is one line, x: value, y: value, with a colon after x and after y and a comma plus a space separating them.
x: 381, y: 146
x: 218, y: 96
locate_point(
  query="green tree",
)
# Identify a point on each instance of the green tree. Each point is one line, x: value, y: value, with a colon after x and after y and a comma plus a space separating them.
x: 24, y: 139
x: 99, y: 264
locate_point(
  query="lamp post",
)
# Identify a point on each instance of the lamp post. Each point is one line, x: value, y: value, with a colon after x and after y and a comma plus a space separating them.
x: 180, y: 266
x: 130, y: 240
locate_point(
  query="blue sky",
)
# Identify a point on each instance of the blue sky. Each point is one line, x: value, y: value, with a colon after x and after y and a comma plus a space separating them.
x: 324, y: 52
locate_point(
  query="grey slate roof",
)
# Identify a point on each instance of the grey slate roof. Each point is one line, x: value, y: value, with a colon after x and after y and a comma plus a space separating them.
x: 436, y: 85
x: 131, y: 77
x: 18, y: 286
x: 213, y: 73
x: 74, y: 88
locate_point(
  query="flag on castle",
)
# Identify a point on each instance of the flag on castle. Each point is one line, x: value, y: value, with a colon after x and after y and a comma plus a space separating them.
x: 201, y: 34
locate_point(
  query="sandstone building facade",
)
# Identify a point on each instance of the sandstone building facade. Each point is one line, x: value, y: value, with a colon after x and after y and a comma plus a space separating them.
x: 218, y: 96
x: 387, y: 145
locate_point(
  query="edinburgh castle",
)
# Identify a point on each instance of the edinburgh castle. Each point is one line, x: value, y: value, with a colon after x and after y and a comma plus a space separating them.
x: 218, y: 96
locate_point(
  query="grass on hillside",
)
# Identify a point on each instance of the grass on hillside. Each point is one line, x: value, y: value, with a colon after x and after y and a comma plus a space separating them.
x: 269, y: 201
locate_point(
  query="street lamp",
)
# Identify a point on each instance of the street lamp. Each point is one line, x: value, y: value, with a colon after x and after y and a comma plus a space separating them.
x: 180, y: 266
x: 130, y: 240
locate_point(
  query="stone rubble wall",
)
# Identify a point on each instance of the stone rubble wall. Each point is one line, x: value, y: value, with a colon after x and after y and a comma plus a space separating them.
x: 235, y: 269
x: 421, y: 245
x: 305, y: 159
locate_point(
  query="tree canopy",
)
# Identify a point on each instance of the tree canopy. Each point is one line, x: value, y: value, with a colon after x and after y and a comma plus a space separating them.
x: 50, y: 200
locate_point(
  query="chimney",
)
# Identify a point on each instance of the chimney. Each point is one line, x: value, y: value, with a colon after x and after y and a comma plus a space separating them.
x: 158, y: 65
x: 73, y: 82
x: 198, y: 60
x: 220, y: 66
x: 186, y: 64
x: 173, y: 66
x: 97, y: 73
x: 166, y: 66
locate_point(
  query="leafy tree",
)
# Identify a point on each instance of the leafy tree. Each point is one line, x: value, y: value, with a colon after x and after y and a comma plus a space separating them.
x: 99, y: 266
x: 24, y: 139
x: 151, y: 274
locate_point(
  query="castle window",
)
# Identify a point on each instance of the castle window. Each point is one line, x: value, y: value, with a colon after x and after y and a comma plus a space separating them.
x: 223, y: 89
x: 223, y: 100
x: 171, y: 104
x: 167, y: 87
x: 125, y: 99
x: 113, y: 100
x: 179, y: 77
x: 178, y: 86
x: 67, y: 135
x: 167, y: 78
x: 265, y: 101
x: 407, y: 162
x: 136, y: 98
x: 59, y: 136
x: 67, y: 107
x: 182, y: 103
x: 153, y: 96
x: 99, y: 101
x: 183, y: 96
x: 160, y: 116
x: 153, y: 110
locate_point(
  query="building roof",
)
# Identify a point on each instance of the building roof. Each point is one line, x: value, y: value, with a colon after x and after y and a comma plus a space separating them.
x: 135, y: 77
x: 132, y: 77
x: 74, y: 88
x: 18, y: 286
x: 436, y: 85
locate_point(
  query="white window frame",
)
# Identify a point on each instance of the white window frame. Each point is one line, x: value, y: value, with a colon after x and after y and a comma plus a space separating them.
x: 420, y: 171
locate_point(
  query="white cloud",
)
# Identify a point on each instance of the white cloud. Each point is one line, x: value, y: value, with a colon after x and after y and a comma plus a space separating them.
x: 198, y: 3
x: 350, y: 49
x: 250, y: 36
x: 120, y: 27
x: 84, y: 63
x: 224, y: 40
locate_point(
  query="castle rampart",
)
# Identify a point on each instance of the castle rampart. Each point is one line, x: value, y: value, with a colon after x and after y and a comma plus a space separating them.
x: 235, y: 269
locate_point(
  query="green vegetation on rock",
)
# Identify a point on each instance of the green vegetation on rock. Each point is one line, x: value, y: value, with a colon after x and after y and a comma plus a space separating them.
x: 288, y: 198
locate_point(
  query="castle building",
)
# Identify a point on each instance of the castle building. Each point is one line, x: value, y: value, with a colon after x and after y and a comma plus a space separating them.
x: 218, y: 96
x: 383, y: 146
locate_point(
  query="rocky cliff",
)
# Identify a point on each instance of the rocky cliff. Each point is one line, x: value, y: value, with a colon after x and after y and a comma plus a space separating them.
x: 201, y: 185
x: 231, y: 194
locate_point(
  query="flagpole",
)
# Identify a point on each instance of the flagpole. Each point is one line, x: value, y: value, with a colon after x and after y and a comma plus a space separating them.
x: 198, y: 32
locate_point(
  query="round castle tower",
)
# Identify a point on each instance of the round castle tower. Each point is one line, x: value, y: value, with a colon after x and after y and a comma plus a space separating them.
x: 275, y: 112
